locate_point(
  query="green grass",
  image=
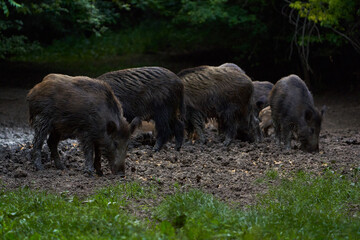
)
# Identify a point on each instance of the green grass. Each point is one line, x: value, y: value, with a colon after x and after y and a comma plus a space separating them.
x: 31, y: 214
x: 308, y: 207
x: 300, y: 206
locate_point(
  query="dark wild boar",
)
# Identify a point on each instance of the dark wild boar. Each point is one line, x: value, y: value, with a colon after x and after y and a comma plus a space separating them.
x: 232, y: 65
x: 222, y: 93
x: 261, y: 95
x: 151, y: 93
x: 293, y: 110
x: 64, y: 107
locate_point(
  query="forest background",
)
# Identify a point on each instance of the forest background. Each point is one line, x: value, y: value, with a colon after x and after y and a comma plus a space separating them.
x: 317, y: 39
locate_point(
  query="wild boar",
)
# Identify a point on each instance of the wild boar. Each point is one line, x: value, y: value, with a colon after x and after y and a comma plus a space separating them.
x: 293, y: 110
x: 151, y: 93
x: 232, y: 65
x: 65, y: 107
x: 223, y: 93
x: 265, y: 120
x: 261, y: 95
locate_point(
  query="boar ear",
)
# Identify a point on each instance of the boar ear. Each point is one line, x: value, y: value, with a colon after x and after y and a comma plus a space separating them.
x: 135, y: 123
x: 111, y: 128
x: 323, y: 110
x: 308, y: 115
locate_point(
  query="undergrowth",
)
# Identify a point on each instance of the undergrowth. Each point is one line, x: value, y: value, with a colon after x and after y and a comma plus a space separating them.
x: 92, y: 56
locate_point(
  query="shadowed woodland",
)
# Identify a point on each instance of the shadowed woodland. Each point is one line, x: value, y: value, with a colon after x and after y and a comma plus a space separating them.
x: 317, y: 40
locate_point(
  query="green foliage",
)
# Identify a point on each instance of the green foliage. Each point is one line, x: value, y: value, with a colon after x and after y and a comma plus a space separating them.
x: 72, y: 49
x: 4, y: 6
x: 195, y: 23
x: 340, y: 16
x: 35, y: 22
x: 254, y: 32
x: 327, y: 12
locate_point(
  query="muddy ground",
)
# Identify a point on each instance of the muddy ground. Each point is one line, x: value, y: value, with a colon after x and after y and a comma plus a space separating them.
x: 230, y: 173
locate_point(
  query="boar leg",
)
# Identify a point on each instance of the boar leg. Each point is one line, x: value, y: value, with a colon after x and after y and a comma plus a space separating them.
x: 179, y: 134
x: 88, y: 149
x: 286, y: 136
x: 199, y: 129
x: 198, y: 121
x: 255, y: 129
x: 162, y: 128
x: 230, y: 132
x: 265, y: 126
x: 41, y: 131
x: 264, y: 129
x: 97, y: 160
x: 231, y: 123
x: 220, y: 126
x: 53, y: 142
x: 277, y: 132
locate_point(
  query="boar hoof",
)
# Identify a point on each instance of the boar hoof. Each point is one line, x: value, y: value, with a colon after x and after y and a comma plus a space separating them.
x: 99, y: 173
x: 177, y: 147
x: 157, y: 148
x: 88, y: 173
x: 227, y: 142
x: 59, y: 165
x: 121, y: 174
x: 287, y: 148
x: 38, y: 166
x: 203, y: 141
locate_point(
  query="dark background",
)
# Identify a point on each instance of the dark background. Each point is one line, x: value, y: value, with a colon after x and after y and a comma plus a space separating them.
x: 268, y: 39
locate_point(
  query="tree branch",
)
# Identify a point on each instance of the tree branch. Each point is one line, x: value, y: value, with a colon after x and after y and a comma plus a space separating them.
x: 354, y: 43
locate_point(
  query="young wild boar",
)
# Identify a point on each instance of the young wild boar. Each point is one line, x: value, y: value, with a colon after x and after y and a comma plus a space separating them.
x: 265, y: 120
x: 293, y: 110
x: 64, y: 107
x: 151, y: 93
x: 223, y: 93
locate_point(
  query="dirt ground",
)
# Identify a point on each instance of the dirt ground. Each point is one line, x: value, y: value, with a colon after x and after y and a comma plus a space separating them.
x: 230, y: 173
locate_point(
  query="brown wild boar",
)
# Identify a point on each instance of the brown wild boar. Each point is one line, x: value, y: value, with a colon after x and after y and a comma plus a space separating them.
x: 64, y: 107
x: 223, y: 93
